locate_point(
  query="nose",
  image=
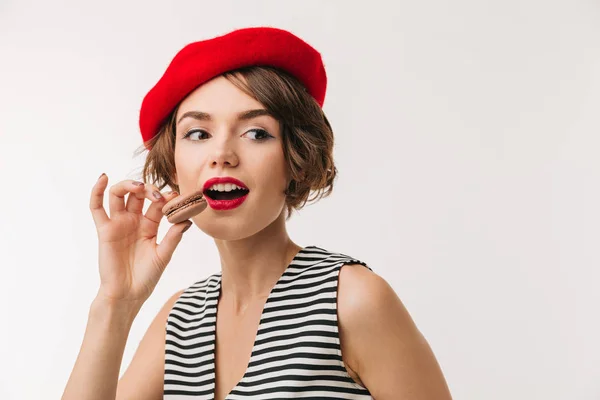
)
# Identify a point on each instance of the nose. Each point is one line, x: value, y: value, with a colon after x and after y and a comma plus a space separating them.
x: 223, y: 155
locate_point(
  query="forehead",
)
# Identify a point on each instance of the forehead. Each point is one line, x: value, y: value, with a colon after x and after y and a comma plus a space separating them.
x: 218, y: 97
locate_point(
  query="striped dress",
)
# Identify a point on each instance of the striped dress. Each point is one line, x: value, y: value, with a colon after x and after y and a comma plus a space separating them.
x: 296, y: 352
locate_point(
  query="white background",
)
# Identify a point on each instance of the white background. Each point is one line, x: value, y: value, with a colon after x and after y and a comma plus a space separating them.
x: 467, y: 139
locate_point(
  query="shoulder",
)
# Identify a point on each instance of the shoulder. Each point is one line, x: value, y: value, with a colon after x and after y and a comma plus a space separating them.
x: 198, y: 289
x: 361, y: 293
x: 383, y: 345
x: 173, y: 299
x: 355, y: 300
x: 163, y: 314
x: 203, y: 285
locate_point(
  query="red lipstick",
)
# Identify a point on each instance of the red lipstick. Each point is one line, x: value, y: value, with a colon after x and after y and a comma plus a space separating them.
x: 224, y: 204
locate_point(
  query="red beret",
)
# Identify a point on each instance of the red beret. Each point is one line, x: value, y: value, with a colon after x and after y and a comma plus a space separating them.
x: 199, y: 62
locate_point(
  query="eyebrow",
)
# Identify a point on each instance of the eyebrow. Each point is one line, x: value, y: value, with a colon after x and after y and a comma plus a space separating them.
x: 243, y: 116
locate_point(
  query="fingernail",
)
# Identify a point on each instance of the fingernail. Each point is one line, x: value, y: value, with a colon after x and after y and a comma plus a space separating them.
x: 138, y: 183
x: 101, y: 175
x: 157, y: 195
x: 187, y: 227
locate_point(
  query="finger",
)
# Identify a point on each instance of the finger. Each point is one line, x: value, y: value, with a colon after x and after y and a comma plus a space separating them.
x: 167, y: 246
x: 154, y: 213
x: 116, y: 199
x: 135, y: 203
x: 96, y: 201
x: 151, y: 221
x: 153, y: 216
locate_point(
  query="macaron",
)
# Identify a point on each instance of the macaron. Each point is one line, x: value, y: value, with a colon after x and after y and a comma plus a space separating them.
x: 184, y: 207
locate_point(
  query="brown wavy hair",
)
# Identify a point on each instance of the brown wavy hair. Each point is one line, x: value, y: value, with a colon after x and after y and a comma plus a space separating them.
x: 306, y: 132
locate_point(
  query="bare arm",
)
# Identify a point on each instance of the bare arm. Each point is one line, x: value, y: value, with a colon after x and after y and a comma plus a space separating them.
x: 390, y: 355
x: 130, y: 262
x: 96, y: 370
x: 144, y: 378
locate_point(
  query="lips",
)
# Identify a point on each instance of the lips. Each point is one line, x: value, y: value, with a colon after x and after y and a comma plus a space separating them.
x: 224, y: 202
x: 223, y: 180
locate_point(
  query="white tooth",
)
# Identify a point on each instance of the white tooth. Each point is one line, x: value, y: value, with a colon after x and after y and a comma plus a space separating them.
x: 226, y: 187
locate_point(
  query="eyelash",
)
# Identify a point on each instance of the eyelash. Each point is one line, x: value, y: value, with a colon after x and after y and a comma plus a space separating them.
x: 268, y: 136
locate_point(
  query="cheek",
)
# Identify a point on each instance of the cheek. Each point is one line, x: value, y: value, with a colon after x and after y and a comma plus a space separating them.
x: 189, y: 163
x: 273, y: 169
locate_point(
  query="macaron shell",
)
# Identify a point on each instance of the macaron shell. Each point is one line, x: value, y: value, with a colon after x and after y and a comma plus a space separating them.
x: 186, y: 211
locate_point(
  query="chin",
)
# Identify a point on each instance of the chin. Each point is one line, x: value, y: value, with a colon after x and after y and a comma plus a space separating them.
x: 235, y: 226
x: 222, y: 232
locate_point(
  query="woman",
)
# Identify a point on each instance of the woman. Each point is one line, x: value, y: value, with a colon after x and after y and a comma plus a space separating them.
x: 239, y: 117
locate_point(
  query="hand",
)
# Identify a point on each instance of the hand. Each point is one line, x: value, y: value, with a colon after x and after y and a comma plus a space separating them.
x: 130, y: 261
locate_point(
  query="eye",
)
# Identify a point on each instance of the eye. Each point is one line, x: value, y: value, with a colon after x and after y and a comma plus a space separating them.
x: 260, y: 134
x: 193, y: 131
x: 263, y: 135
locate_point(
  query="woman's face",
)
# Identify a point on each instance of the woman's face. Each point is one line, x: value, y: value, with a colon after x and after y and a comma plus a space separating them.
x: 223, y: 145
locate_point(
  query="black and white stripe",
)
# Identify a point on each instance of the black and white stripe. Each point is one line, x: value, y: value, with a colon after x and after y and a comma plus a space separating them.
x: 296, y: 352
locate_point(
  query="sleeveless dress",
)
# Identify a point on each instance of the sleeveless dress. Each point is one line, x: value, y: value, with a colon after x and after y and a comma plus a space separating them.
x: 296, y: 353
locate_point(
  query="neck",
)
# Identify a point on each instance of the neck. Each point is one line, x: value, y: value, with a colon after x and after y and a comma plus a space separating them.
x: 252, y: 266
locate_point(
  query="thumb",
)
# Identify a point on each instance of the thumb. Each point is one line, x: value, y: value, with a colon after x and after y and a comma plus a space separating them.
x: 167, y: 246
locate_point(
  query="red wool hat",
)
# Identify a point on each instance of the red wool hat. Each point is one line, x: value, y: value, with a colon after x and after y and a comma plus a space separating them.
x: 199, y: 62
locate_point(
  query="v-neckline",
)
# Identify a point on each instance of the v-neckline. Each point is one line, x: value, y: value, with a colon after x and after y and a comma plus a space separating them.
x: 217, y: 290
